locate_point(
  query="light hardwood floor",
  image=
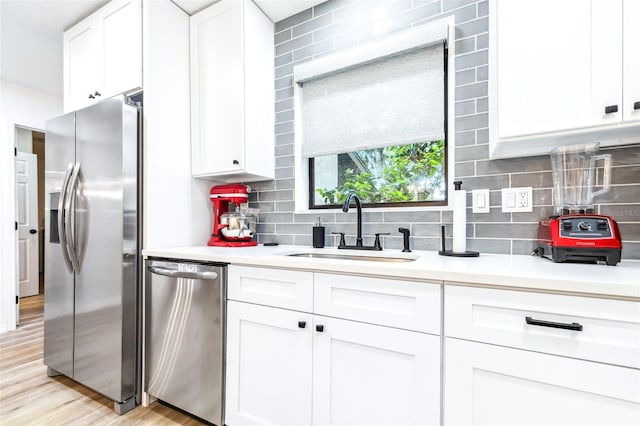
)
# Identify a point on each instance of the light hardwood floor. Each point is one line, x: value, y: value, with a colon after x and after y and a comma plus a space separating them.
x: 29, y: 397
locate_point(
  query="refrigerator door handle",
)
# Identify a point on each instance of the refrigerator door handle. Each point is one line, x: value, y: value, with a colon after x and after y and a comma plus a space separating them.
x: 68, y: 227
x: 62, y: 218
x: 205, y: 275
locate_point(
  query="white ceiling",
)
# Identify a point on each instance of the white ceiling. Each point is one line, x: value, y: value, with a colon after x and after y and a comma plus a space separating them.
x: 31, y: 34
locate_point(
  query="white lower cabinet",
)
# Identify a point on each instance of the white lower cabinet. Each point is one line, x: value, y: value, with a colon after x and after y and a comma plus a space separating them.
x: 287, y: 367
x: 268, y: 366
x: 522, y: 358
x: 494, y: 385
x: 366, y: 374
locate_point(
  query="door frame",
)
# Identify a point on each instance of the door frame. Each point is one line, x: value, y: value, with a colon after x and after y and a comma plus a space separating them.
x: 9, y: 313
x: 8, y: 233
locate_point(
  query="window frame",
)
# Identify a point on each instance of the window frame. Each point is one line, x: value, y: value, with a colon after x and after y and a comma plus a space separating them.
x: 311, y: 185
x: 302, y: 191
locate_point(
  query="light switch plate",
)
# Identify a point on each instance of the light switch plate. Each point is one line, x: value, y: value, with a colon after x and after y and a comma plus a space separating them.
x: 517, y: 200
x: 480, y: 200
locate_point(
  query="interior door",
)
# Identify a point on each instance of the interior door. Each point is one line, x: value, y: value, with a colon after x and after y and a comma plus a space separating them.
x: 27, y: 205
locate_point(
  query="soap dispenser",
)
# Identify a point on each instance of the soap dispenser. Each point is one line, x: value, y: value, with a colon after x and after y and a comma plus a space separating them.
x: 318, y: 235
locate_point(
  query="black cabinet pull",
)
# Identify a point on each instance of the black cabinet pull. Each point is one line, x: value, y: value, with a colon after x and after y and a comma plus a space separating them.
x: 236, y: 162
x: 97, y: 93
x: 636, y: 105
x: 33, y: 231
x: 302, y: 324
x: 573, y: 326
x: 319, y: 328
x: 610, y: 109
x: 91, y: 96
x: 405, y: 239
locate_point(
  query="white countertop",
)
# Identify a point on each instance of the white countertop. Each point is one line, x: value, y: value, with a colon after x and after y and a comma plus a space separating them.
x: 515, y: 271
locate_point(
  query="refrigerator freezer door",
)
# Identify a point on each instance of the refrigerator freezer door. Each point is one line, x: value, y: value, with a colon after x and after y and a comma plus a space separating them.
x: 105, y: 241
x: 59, y: 281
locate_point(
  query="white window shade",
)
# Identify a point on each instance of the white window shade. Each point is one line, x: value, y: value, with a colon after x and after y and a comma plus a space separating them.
x: 395, y: 100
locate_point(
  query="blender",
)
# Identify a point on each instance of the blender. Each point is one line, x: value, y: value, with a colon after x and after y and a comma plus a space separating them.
x: 575, y: 233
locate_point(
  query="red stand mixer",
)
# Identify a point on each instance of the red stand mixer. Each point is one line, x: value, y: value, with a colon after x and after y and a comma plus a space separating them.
x: 574, y: 233
x: 231, y: 228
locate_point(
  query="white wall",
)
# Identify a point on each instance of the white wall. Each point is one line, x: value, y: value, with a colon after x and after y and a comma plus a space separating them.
x: 176, y: 207
x: 24, y: 107
x: 27, y: 107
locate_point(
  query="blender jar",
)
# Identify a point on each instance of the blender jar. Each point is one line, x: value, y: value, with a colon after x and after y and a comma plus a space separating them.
x: 574, y: 171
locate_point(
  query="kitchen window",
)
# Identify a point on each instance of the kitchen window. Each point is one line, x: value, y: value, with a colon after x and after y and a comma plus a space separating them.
x: 412, y: 174
x: 373, y: 120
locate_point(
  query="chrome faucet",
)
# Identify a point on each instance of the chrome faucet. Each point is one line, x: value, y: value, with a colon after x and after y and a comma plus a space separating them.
x: 358, y: 245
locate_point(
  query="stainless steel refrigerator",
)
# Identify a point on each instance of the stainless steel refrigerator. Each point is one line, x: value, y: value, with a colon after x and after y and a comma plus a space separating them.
x: 91, y: 312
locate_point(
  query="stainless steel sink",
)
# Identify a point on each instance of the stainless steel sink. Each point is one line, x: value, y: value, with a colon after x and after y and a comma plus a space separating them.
x: 352, y: 257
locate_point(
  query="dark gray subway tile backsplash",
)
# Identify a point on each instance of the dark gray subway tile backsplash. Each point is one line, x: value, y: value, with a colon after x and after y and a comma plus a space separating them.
x: 336, y: 24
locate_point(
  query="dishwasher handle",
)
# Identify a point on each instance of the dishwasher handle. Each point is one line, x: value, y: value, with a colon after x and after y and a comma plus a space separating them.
x: 204, y: 275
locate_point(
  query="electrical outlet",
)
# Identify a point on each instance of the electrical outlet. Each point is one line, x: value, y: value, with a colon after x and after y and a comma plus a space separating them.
x: 516, y: 200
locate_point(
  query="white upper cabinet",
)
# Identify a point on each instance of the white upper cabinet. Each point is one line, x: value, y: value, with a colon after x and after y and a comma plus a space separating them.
x: 557, y: 73
x: 122, y: 46
x: 103, y: 54
x: 80, y: 65
x: 631, y: 60
x: 232, y: 93
x: 562, y: 72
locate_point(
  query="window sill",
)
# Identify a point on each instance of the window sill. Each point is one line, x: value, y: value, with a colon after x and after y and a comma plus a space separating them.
x: 448, y: 207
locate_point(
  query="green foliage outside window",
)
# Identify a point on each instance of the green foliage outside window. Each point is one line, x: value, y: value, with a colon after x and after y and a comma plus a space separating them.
x: 396, y: 174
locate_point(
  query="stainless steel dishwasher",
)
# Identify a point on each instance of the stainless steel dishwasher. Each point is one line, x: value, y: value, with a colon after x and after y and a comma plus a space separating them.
x: 185, y: 318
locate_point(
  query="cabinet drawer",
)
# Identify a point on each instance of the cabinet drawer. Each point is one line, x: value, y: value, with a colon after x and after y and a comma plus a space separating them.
x: 273, y: 287
x: 401, y: 304
x: 609, y: 329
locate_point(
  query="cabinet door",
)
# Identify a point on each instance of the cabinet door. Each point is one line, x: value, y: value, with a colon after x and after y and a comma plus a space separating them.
x: 371, y: 375
x: 81, y: 64
x: 631, y: 59
x: 494, y: 385
x: 217, y: 89
x: 268, y: 366
x: 557, y: 71
x: 121, y: 26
